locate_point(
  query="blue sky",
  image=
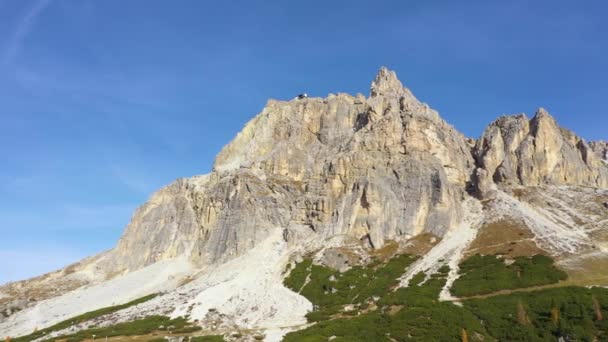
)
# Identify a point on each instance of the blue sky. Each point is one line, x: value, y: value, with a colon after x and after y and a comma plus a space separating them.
x: 102, y: 102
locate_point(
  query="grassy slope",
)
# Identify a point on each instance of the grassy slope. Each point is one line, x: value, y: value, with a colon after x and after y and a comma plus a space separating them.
x: 83, y: 318
x: 415, y: 314
x: 421, y: 317
x: 144, y: 326
x: 134, y: 328
x: 363, y: 304
x: 488, y: 274
x: 545, y: 315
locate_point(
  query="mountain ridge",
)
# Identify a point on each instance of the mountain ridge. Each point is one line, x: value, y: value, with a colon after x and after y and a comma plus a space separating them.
x: 340, y: 171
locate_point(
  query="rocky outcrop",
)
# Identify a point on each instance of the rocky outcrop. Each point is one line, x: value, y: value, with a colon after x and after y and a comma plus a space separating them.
x: 163, y: 228
x: 601, y: 149
x: 386, y: 167
x: 515, y: 150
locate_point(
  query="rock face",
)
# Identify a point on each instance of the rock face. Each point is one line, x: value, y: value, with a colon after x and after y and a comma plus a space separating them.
x: 600, y: 148
x: 379, y: 168
x: 163, y: 228
x: 515, y: 150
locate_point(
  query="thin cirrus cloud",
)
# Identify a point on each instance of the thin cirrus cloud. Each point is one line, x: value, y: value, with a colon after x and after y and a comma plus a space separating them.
x: 23, y: 29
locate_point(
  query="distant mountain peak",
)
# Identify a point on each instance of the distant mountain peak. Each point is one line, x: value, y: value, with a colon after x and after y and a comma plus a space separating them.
x: 386, y: 83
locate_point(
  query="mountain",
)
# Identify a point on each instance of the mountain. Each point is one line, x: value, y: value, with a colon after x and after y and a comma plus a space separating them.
x: 343, y: 181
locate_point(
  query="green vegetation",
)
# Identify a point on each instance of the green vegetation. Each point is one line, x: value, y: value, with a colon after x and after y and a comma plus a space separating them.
x: 575, y: 313
x: 138, y: 327
x: 328, y: 288
x: 415, y: 314
x: 82, y: 318
x: 428, y: 320
x: 208, y: 338
x: 487, y: 274
x: 364, y: 304
x: 412, y: 313
x: 187, y: 330
x: 297, y: 277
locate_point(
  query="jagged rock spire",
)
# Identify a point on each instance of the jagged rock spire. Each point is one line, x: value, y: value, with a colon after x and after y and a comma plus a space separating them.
x: 542, y: 114
x: 386, y: 83
x: 514, y: 150
x: 387, y: 94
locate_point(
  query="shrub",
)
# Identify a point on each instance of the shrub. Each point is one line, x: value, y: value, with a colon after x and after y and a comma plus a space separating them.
x: 487, y: 274
x: 138, y: 327
x: 187, y: 330
x: 208, y: 338
x: 330, y: 288
x: 83, y: 318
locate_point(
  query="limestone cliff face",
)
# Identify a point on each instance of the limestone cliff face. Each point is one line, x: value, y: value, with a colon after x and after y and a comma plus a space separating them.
x: 515, y: 150
x: 163, y: 228
x: 601, y: 149
x: 377, y: 168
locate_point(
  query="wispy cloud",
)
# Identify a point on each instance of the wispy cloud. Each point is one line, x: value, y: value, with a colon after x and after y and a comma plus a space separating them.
x: 24, y: 27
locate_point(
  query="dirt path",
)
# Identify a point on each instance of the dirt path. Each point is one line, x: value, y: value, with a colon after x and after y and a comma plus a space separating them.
x: 161, y: 334
x: 586, y: 282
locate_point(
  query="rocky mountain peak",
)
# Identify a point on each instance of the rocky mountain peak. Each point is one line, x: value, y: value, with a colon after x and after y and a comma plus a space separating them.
x: 543, y: 121
x: 386, y: 83
x: 515, y: 150
x: 387, y: 86
x: 542, y: 112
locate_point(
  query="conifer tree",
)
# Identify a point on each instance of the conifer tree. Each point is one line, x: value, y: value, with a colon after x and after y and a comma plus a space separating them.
x: 597, y: 309
x: 522, y: 315
x: 464, y: 336
x: 554, y: 313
